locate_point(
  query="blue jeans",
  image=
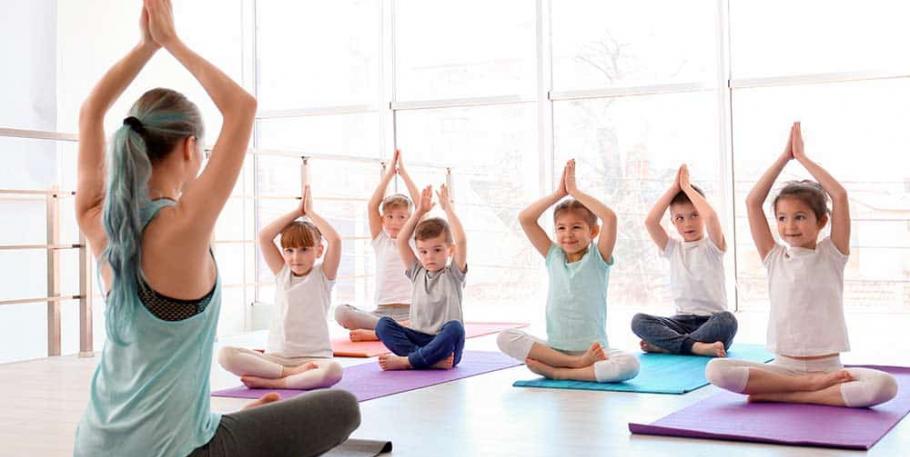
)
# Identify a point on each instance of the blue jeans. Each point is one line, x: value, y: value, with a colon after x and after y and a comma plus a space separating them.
x: 677, y: 334
x: 423, y: 350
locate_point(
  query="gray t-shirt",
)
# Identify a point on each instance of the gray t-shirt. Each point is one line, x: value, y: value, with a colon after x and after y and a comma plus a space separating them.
x: 436, y: 298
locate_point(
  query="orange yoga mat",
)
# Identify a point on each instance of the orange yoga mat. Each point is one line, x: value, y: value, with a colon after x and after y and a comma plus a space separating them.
x: 344, y: 347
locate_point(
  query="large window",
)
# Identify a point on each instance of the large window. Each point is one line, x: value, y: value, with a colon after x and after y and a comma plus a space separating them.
x: 492, y: 97
x: 857, y: 132
x: 446, y: 49
x: 627, y: 152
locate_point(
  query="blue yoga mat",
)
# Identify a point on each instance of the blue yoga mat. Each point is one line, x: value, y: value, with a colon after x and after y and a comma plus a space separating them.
x: 660, y: 373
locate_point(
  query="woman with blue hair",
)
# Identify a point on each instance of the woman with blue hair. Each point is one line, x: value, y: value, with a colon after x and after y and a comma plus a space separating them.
x: 148, y: 219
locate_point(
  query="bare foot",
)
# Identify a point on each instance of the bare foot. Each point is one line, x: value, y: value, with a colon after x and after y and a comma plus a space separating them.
x: 255, y: 382
x: 541, y: 368
x: 715, y: 349
x: 288, y: 371
x: 819, y: 381
x: 593, y: 354
x: 270, y: 397
x: 363, y: 335
x: 394, y: 362
x: 648, y: 347
x: 446, y: 363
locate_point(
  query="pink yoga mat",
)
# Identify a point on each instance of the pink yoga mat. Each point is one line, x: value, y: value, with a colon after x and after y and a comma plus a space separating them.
x: 367, y: 381
x: 344, y: 347
x: 728, y: 416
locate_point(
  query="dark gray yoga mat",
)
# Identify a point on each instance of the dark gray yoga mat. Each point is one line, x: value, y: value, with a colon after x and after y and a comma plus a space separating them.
x: 360, y: 448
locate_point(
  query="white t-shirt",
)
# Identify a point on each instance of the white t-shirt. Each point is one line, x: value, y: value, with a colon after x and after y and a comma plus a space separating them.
x: 392, y: 285
x: 299, y: 325
x: 696, y: 276
x: 806, y: 289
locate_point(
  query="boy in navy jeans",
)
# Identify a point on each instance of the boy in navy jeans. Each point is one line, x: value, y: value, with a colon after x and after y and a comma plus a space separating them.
x: 435, y: 336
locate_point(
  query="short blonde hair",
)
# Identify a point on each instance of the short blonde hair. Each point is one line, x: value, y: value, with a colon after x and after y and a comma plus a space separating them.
x: 396, y: 201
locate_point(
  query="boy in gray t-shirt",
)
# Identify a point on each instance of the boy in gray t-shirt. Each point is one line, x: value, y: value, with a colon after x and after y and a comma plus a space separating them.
x: 435, y: 338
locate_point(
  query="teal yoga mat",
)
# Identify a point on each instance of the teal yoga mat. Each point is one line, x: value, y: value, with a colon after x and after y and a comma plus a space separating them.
x: 660, y: 373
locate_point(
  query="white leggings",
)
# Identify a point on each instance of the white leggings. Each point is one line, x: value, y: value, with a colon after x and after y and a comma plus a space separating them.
x: 353, y: 318
x: 619, y: 366
x: 246, y: 362
x: 869, y: 388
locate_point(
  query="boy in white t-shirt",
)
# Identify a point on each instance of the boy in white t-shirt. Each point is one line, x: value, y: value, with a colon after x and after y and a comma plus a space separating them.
x: 702, y: 325
x: 807, y: 329
x: 299, y: 353
x: 393, y: 288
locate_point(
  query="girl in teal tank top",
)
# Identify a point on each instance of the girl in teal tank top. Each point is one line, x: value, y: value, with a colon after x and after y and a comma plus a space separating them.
x: 150, y: 391
x: 579, y: 259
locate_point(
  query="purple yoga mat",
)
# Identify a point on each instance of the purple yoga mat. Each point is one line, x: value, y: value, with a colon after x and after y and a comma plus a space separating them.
x: 728, y: 416
x: 367, y: 381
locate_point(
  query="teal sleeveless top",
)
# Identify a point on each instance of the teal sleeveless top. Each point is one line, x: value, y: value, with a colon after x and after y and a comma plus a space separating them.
x: 577, y: 299
x: 150, y: 396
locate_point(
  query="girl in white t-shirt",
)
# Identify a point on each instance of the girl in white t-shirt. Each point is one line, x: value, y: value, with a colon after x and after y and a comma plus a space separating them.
x: 702, y: 325
x: 806, y: 328
x: 393, y: 288
x: 299, y: 353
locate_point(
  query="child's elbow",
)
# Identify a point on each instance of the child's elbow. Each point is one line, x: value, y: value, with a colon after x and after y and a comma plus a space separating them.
x: 753, y: 200
x: 839, y: 196
x: 247, y: 104
x: 526, y: 215
x: 264, y: 238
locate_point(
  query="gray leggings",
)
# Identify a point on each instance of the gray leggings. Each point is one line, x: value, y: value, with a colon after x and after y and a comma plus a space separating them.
x: 310, y: 424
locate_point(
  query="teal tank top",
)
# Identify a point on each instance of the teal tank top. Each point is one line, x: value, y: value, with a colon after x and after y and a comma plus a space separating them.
x: 577, y: 299
x: 150, y: 396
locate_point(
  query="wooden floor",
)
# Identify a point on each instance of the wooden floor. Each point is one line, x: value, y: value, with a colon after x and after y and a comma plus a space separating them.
x: 41, y: 402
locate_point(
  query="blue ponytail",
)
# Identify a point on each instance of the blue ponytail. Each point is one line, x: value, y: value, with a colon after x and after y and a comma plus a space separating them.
x: 159, y: 120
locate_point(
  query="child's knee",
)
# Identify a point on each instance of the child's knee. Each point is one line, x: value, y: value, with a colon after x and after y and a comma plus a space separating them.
x: 872, y: 387
x: 384, y: 326
x: 454, y: 328
x: 333, y: 373
x: 639, y: 322
x: 513, y: 343
x: 226, y: 358
x: 343, y: 315
x: 721, y: 373
x: 618, y: 367
x: 728, y: 320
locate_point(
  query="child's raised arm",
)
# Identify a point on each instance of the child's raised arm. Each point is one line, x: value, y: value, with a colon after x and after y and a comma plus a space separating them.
x: 375, y: 216
x: 423, y: 206
x: 705, y: 211
x: 333, y: 242
x: 267, y: 234
x: 840, y: 203
x: 461, y: 242
x: 413, y: 191
x: 758, y: 224
x: 607, y: 239
x: 652, y: 221
x: 529, y: 217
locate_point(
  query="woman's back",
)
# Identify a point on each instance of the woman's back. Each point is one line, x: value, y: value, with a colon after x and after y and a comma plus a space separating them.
x: 150, y: 394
